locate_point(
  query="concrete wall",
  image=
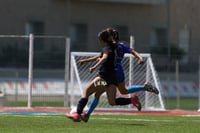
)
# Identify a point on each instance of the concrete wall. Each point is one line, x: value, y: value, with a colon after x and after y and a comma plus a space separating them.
x: 141, y: 19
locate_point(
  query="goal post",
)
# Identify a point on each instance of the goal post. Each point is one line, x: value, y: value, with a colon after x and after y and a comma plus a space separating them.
x: 80, y: 78
x: 199, y: 85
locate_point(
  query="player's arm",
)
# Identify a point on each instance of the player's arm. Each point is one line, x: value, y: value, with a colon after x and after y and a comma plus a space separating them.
x: 137, y: 55
x: 100, y: 61
x: 94, y: 58
x: 127, y: 49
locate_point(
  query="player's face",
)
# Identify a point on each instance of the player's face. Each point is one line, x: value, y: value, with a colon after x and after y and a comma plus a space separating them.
x: 102, y: 43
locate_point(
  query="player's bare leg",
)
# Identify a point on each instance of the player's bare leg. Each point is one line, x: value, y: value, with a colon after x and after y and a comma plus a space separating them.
x: 100, y: 87
x: 90, y: 89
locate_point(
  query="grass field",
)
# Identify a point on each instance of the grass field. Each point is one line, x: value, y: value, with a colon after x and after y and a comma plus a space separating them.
x: 170, y: 103
x: 99, y: 124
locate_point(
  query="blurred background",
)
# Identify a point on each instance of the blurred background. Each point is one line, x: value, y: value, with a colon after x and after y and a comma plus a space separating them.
x: 168, y: 29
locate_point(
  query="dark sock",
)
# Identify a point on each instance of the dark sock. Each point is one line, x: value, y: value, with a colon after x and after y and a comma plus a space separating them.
x: 81, y: 105
x: 122, y: 101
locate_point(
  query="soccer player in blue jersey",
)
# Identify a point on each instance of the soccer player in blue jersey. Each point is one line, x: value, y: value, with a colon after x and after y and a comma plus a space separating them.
x: 121, y: 50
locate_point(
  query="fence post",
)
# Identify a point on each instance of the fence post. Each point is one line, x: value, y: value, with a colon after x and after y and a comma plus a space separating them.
x: 177, y: 85
x: 67, y: 56
x: 16, y: 87
x: 199, y: 83
x: 131, y: 61
x: 30, y: 69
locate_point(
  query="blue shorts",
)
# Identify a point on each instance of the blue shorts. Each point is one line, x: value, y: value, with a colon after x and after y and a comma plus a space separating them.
x: 119, y: 74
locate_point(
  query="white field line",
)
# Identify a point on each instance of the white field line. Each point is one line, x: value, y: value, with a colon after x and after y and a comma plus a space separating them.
x: 145, y: 120
x: 103, y: 118
x: 190, y: 115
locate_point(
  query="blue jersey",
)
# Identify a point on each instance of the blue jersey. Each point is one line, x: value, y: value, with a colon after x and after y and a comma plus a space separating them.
x: 121, y: 50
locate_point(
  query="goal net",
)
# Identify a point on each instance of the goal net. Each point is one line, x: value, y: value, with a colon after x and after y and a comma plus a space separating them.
x: 135, y: 74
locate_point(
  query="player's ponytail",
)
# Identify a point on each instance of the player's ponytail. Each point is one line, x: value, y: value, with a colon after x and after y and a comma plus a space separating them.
x: 116, y: 35
x: 112, y: 36
x: 107, y: 36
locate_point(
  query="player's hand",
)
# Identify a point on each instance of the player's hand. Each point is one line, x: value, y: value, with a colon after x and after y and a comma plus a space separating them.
x: 91, y: 69
x: 97, y: 59
x: 141, y: 61
x: 82, y: 62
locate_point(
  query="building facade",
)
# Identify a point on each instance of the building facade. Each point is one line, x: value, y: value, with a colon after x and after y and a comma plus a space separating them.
x: 153, y: 23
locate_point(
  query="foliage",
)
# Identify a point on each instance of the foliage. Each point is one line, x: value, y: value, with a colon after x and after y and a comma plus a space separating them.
x: 12, y: 55
x: 176, y: 53
x: 17, y: 56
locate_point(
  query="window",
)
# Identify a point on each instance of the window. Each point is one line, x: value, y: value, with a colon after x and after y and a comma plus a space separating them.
x: 160, y: 37
x: 36, y: 28
x: 79, y: 35
x: 123, y: 33
x: 184, y: 42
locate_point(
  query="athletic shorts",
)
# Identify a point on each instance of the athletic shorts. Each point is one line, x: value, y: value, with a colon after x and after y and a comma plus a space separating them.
x: 119, y: 74
x: 110, y: 78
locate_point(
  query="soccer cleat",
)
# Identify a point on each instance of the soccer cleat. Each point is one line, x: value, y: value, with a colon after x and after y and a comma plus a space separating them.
x: 85, y: 117
x: 74, y: 116
x: 150, y: 88
x: 135, y: 101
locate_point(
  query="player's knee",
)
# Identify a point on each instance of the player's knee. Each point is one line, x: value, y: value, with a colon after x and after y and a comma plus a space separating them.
x: 123, y: 91
x: 97, y: 96
x: 112, y: 102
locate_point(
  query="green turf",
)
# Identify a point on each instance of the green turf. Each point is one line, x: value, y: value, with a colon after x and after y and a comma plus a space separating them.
x: 35, y: 104
x: 184, y: 103
x: 170, y: 103
x: 98, y: 124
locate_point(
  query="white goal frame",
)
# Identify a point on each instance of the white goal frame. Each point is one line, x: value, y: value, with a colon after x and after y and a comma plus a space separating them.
x: 149, y: 100
x: 199, y: 86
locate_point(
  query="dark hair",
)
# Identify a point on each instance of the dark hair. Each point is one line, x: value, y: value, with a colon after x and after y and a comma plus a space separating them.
x: 104, y: 35
x: 114, y: 33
